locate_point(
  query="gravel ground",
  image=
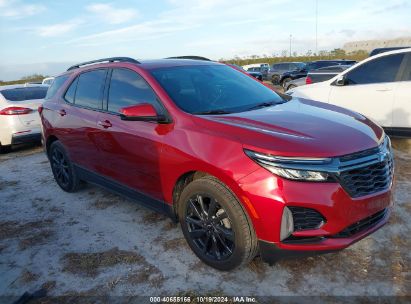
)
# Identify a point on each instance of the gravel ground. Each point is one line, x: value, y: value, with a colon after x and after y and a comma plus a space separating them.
x: 96, y: 243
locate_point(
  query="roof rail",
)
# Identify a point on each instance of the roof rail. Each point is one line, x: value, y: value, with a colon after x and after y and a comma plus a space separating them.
x: 110, y: 59
x: 190, y: 57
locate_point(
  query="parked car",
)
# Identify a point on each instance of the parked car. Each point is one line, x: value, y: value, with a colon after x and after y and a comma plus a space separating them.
x: 256, y: 65
x: 244, y: 171
x: 314, y: 76
x: 19, y: 119
x: 315, y: 65
x: 259, y: 73
x: 386, y: 49
x: 279, y: 73
x: 256, y: 75
x: 378, y: 87
x: 48, y: 81
x: 294, y: 83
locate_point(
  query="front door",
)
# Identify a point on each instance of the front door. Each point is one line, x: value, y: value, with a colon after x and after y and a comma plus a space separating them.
x: 129, y: 151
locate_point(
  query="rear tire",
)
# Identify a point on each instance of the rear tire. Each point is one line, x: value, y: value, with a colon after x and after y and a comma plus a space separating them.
x: 63, y: 169
x: 5, y: 149
x: 215, y: 225
x: 275, y: 79
x: 291, y: 86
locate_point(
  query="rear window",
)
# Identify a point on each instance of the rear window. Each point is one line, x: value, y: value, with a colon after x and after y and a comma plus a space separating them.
x: 56, y: 85
x: 20, y: 94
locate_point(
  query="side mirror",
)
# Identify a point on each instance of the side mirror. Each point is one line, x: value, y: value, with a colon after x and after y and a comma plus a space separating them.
x: 341, y: 81
x: 141, y: 112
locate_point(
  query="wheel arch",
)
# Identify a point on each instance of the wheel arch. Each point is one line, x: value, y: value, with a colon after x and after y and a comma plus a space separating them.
x: 49, y: 141
x: 184, y: 179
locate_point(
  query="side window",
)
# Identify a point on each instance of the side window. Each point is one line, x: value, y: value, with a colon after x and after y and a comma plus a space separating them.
x: 285, y: 67
x: 57, y: 83
x: 71, y: 92
x: 383, y: 69
x: 90, y: 86
x: 127, y: 88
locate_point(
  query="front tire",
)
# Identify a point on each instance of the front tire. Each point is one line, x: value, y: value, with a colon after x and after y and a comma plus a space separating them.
x: 215, y: 225
x: 63, y: 169
x: 284, y: 81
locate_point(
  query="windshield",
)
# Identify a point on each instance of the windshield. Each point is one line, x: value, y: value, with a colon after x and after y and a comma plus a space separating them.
x: 28, y: 93
x: 205, y: 89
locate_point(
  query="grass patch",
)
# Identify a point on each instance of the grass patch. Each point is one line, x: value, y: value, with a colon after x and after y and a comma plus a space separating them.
x: 27, y: 276
x: 89, y: 264
x: 36, y: 239
x: 12, y: 229
x: 8, y: 183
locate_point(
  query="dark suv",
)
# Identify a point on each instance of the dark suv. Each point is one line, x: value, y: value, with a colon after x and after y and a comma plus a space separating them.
x: 245, y: 171
x: 298, y: 70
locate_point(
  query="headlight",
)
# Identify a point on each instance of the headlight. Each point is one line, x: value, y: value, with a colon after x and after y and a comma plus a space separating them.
x: 298, y: 174
x: 290, y: 167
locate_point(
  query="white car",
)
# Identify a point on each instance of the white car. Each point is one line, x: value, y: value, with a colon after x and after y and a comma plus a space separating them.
x: 48, y: 81
x: 378, y: 87
x: 19, y: 117
x: 256, y: 65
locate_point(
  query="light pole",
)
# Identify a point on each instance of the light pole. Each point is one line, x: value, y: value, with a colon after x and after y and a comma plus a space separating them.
x: 316, y: 27
x: 290, y: 43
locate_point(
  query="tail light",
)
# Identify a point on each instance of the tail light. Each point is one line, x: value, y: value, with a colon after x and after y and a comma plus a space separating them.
x: 308, y: 80
x: 15, y: 111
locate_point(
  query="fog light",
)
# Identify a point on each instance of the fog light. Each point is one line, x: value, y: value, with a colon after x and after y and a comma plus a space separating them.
x: 287, y: 224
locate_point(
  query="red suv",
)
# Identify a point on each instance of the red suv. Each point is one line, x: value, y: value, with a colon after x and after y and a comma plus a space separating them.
x: 245, y: 171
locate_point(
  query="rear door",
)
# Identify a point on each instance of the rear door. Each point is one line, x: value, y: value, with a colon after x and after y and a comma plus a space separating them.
x: 370, y: 88
x: 78, y: 114
x: 402, y: 101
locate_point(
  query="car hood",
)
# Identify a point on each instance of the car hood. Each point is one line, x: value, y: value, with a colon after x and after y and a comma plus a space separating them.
x: 299, y: 127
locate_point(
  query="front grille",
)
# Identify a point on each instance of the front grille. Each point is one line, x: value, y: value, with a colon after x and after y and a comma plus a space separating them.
x: 306, y: 218
x: 361, y: 225
x: 369, y: 179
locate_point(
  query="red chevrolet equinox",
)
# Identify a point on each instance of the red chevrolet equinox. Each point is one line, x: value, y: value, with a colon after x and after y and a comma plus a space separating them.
x: 244, y: 170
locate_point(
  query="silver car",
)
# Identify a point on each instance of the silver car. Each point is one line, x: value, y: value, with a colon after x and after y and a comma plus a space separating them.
x: 19, y: 117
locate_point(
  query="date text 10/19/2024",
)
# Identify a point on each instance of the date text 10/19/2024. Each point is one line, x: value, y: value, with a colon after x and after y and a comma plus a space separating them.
x: 200, y: 299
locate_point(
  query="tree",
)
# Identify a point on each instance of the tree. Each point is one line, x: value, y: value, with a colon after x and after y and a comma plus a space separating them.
x: 337, y: 53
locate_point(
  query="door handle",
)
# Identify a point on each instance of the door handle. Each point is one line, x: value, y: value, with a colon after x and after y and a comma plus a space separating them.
x: 62, y: 112
x: 384, y: 90
x: 105, y: 124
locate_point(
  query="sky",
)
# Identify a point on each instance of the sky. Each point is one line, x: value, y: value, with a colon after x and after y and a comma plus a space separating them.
x: 47, y: 36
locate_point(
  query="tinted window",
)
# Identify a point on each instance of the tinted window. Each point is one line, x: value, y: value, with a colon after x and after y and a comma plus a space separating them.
x: 204, y: 88
x: 20, y: 94
x: 383, y: 69
x: 127, y: 88
x: 69, y: 96
x: 90, y: 88
x: 56, y: 85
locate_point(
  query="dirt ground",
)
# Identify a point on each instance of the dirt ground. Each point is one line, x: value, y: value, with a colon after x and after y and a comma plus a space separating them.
x: 96, y: 243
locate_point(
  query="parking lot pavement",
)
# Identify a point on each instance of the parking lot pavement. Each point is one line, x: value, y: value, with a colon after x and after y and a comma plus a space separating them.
x: 96, y: 243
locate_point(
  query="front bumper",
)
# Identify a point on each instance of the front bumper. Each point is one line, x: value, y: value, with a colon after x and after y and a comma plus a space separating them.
x: 272, y: 252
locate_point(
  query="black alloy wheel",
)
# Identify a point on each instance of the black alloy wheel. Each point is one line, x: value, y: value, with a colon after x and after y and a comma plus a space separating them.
x: 210, y: 227
x: 63, y: 170
x: 60, y: 167
x: 215, y: 224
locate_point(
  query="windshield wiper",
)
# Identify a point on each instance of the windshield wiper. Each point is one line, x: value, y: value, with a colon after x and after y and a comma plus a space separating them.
x: 263, y: 105
x: 212, y: 112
